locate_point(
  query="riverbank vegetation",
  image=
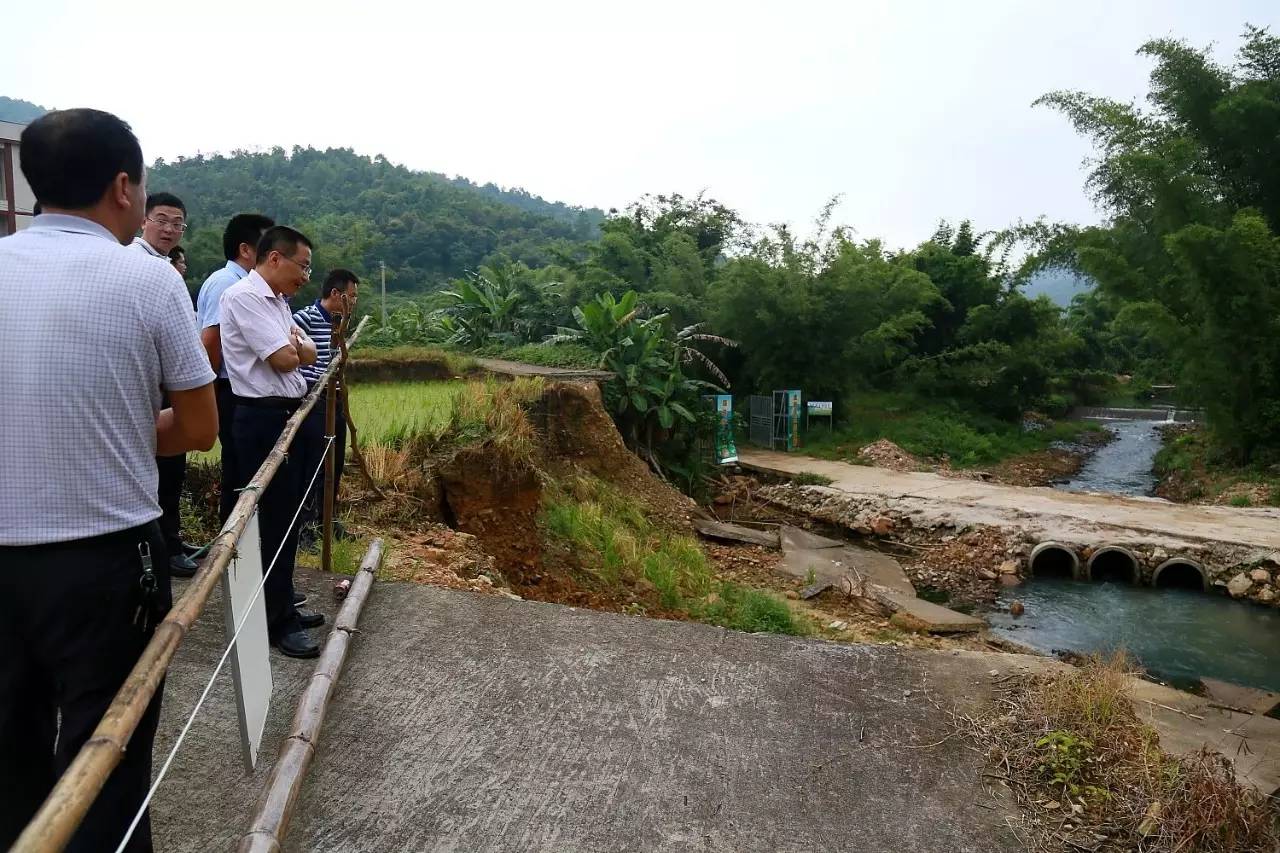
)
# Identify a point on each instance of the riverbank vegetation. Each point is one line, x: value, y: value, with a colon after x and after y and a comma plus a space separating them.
x: 1187, y: 264
x: 1091, y: 775
x: 1192, y: 469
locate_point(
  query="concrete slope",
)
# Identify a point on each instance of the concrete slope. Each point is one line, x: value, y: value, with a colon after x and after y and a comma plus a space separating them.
x: 472, y: 723
x: 1054, y: 512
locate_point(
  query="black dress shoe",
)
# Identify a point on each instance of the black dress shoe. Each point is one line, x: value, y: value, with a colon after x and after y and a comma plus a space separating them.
x: 297, y: 645
x: 182, y: 566
x: 310, y: 619
x: 299, y: 598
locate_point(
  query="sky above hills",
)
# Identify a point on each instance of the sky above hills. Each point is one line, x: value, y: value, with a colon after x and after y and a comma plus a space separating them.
x: 913, y: 111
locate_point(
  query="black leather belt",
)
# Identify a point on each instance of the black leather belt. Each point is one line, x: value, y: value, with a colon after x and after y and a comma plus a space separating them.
x: 289, y: 404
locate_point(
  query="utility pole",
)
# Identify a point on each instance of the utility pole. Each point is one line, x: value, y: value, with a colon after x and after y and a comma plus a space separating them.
x: 383, y: 266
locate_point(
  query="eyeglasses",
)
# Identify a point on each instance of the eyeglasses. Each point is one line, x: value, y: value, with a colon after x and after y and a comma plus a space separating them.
x: 305, y: 270
x: 169, y: 223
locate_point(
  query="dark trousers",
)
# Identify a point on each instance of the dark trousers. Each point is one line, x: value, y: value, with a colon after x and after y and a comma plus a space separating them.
x: 313, y: 439
x: 230, y: 468
x: 69, y: 634
x: 173, y: 475
x: 255, y: 432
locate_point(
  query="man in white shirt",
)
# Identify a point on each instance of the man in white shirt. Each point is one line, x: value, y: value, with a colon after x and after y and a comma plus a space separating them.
x: 162, y: 228
x: 262, y: 349
x: 240, y: 247
x: 83, y: 569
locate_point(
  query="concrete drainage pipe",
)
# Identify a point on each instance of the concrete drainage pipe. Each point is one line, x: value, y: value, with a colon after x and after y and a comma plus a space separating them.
x: 1054, y: 560
x: 1180, y: 573
x: 1113, y: 563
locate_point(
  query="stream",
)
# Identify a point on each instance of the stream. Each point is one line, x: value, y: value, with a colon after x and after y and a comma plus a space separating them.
x: 1177, y: 635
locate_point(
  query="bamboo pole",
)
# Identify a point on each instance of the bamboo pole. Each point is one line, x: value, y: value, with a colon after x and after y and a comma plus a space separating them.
x: 274, y: 810
x: 331, y: 451
x: 60, y: 814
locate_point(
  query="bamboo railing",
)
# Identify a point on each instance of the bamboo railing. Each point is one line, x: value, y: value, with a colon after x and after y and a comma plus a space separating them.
x: 276, y: 803
x: 60, y: 814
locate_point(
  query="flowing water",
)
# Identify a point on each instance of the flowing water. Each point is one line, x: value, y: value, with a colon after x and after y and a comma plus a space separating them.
x: 1177, y: 635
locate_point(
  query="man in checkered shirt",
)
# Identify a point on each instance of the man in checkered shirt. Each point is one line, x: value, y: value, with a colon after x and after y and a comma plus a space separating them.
x: 91, y: 333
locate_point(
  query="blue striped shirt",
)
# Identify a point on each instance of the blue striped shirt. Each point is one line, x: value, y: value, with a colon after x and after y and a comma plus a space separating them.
x: 318, y: 324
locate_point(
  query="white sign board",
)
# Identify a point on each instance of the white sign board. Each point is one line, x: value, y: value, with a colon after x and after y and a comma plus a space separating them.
x: 251, y: 657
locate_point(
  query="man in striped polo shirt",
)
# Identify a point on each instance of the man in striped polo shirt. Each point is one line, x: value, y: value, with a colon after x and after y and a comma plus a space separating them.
x: 337, y: 297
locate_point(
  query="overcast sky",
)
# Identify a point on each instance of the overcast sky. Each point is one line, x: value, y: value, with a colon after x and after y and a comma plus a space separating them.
x: 913, y: 111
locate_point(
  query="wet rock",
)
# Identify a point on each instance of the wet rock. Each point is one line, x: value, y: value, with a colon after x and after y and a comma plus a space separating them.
x: 987, y: 574
x: 1260, y: 576
x: 1239, y: 585
x: 1009, y: 567
x: 1266, y: 595
x: 1159, y: 555
x: 1010, y: 580
x: 1016, y: 608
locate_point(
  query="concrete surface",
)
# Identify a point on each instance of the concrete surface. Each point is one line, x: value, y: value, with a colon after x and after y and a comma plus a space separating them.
x: 931, y: 618
x: 1220, y: 537
x: 1236, y: 697
x: 477, y: 723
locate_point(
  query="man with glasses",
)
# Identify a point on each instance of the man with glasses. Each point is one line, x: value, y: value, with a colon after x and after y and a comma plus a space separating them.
x: 165, y: 220
x: 263, y: 349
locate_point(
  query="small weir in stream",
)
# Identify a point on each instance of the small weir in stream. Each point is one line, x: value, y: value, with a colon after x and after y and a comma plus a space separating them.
x: 1176, y: 629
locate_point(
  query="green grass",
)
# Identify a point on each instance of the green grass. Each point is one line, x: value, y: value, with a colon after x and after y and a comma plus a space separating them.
x: 745, y: 609
x: 614, y: 542
x: 389, y: 412
x: 932, y: 431
x: 1196, y: 470
x: 546, y: 355
x: 344, y: 558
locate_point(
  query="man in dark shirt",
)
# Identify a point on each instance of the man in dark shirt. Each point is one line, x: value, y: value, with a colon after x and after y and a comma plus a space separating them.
x: 338, y: 297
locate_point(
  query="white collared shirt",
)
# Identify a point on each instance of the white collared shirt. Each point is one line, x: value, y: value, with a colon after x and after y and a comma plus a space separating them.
x: 142, y: 245
x: 255, y: 322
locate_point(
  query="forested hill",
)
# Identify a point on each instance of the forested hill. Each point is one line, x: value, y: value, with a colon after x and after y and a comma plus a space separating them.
x: 361, y: 210
x: 20, y: 111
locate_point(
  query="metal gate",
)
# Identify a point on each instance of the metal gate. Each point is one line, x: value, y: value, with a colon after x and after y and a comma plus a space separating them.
x: 761, y: 425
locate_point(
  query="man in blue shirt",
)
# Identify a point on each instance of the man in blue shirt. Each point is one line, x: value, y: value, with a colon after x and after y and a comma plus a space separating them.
x: 337, y: 297
x: 240, y: 247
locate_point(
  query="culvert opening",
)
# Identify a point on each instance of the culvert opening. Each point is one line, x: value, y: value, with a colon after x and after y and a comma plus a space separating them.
x: 1053, y: 561
x: 1113, y: 565
x: 1179, y: 574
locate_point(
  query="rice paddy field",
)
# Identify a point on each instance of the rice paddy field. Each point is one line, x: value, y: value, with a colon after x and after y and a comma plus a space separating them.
x: 385, y: 412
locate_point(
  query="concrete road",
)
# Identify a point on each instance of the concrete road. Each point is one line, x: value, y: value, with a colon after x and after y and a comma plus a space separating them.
x: 477, y: 723
x: 1054, y: 512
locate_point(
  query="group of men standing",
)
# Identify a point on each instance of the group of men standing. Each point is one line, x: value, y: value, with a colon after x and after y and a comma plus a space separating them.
x: 108, y: 378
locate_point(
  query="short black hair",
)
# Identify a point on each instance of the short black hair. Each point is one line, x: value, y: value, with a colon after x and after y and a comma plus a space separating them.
x: 165, y: 200
x: 243, y: 228
x: 177, y: 252
x: 282, y: 239
x: 338, y: 280
x: 70, y: 157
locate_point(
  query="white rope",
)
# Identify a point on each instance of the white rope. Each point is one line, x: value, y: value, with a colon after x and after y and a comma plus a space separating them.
x: 177, y: 744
